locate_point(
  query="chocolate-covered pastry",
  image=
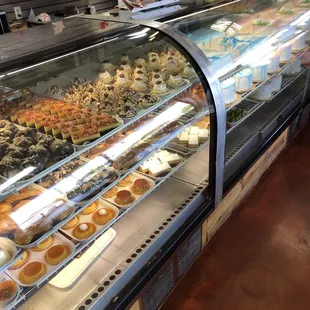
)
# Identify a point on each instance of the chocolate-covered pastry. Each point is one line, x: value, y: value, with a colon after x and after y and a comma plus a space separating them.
x: 40, y: 151
x: 61, y: 149
x: 27, y: 132
x: 15, y: 151
x: 9, y: 163
x: 23, y: 141
x: 34, y: 161
x: 45, y: 140
x: 4, y: 144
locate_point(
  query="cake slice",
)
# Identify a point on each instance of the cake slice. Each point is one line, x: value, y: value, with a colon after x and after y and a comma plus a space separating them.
x: 193, y: 141
x: 203, y: 135
x: 159, y: 169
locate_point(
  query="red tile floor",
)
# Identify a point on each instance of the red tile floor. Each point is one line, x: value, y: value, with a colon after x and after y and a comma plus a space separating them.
x: 260, y: 258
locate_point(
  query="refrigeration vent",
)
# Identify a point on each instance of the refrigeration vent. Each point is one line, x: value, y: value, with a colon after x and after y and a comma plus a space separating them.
x: 159, y: 289
x: 104, y: 286
x: 101, y: 289
x: 238, y: 148
x: 188, y: 252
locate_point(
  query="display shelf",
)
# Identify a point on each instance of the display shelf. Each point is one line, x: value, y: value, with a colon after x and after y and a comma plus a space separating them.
x: 137, y: 234
x: 247, y: 94
x: 81, y: 246
x: 251, y: 106
x: 16, y: 187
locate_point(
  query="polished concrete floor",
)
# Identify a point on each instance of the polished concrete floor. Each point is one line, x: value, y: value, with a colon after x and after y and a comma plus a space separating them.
x: 260, y: 258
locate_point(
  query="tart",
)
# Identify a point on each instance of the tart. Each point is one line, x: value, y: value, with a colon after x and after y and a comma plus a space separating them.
x: 44, y: 244
x: 57, y: 254
x: 83, y: 231
x: 111, y: 193
x: 140, y: 186
x: 71, y: 223
x: 103, y: 216
x: 91, y: 208
x: 8, y: 291
x: 21, y: 262
x: 125, y: 182
x: 124, y: 198
x: 32, y: 272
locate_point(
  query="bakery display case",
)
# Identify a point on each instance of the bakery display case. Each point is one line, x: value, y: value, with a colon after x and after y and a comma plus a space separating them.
x: 116, y: 143
x: 259, y: 53
x: 93, y: 134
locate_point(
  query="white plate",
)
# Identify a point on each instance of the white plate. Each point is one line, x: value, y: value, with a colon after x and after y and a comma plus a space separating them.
x: 68, y: 277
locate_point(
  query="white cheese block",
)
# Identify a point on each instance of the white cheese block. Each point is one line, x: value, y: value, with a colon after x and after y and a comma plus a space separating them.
x: 203, y: 135
x: 194, y: 130
x: 159, y: 169
x: 172, y: 159
x: 183, y: 139
x: 193, y: 141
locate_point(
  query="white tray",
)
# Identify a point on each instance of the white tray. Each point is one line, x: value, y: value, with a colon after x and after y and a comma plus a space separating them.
x: 39, y: 256
x: 68, y: 277
x: 87, y: 218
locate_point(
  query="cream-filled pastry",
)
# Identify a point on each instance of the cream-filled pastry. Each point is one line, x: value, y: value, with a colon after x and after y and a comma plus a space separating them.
x: 175, y: 80
x: 105, y: 77
x: 140, y: 75
x: 138, y: 85
x: 141, y: 68
x: 107, y: 66
x: 156, y: 78
x: 188, y: 71
x: 160, y: 89
x: 172, y: 65
x: 154, y: 63
x: 122, y: 81
x: 124, y: 57
x: 139, y: 61
x: 127, y: 67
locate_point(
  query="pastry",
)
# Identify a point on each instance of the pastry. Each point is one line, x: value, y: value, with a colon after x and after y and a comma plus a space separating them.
x: 7, y: 224
x: 260, y: 71
x: 44, y: 244
x: 175, y: 80
x: 122, y: 81
x: 5, y: 255
x: 140, y: 61
x: 21, y: 262
x: 140, y: 186
x: 160, y: 169
x: 91, y: 208
x: 127, y: 67
x: 55, y: 91
x: 107, y: 66
x: 83, y: 231
x: 138, y: 74
x: 71, y: 223
x: 124, y: 57
x: 124, y: 197
x: 139, y: 85
x: 8, y: 291
x: 273, y: 63
x: 5, y: 207
x: 148, y: 100
x: 140, y: 68
x: 32, y: 272
x: 125, y: 182
x: 154, y: 63
x: 276, y: 82
x: 172, y: 66
x: 188, y: 72
x: 110, y: 193
x: 105, y: 77
x: 299, y: 43
x: 229, y: 90
x: 193, y: 140
x: 263, y: 93
x: 57, y: 253
x: 160, y: 89
x: 285, y: 52
x: 244, y: 80
x: 103, y: 216
x: 293, y: 68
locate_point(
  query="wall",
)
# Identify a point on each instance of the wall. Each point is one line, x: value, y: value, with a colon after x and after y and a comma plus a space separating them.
x: 51, y: 6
